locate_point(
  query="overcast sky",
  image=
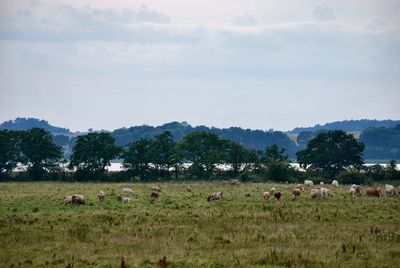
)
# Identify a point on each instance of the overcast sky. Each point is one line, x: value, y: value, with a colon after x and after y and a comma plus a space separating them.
x: 254, y: 64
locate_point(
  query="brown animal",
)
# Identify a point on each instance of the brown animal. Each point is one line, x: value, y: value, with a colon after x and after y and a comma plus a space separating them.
x: 375, y: 192
x: 300, y: 187
x: 119, y: 198
x: 162, y: 263
x: 153, y: 196
x: 277, y: 195
x: 189, y: 188
x: 266, y: 195
x: 296, y: 193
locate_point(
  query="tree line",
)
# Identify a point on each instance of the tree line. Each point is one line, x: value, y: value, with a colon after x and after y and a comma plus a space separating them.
x: 199, y: 155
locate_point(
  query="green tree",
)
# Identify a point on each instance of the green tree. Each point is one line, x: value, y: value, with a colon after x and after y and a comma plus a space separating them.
x: 40, y: 154
x: 9, y: 151
x: 274, y: 153
x: 276, y: 163
x: 204, y: 151
x: 93, y: 152
x: 163, y: 154
x: 138, y: 157
x: 237, y: 156
x: 332, y: 152
x: 391, y: 170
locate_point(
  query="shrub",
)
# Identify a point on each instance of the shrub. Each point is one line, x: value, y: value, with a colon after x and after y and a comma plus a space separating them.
x: 352, y: 177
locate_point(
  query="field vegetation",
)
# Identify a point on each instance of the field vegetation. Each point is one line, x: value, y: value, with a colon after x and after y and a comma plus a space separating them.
x: 242, y: 230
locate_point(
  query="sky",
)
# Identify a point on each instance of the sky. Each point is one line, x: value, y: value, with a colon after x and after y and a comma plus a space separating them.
x: 259, y: 64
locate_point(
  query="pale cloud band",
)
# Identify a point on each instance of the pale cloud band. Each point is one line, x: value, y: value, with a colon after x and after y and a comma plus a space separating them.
x: 122, y: 46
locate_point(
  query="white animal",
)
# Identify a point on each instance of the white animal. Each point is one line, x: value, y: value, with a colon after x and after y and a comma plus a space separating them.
x: 127, y: 191
x: 78, y: 199
x: 126, y: 199
x: 68, y: 199
x: 234, y: 182
x: 215, y: 196
x: 335, y: 183
x: 101, y: 196
x: 322, y: 183
x: 308, y: 183
x: 325, y: 192
x: 273, y: 190
x: 357, y: 189
x: 352, y: 192
x: 315, y: 193
x: 390, y: 190
x: 156, y: 188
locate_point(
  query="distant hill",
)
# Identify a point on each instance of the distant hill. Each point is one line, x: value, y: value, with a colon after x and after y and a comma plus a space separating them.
x: 257, y: 139
x: 381, y: 138
x: 381, y: 142
x: 348, y: 125
x: 28, y: 123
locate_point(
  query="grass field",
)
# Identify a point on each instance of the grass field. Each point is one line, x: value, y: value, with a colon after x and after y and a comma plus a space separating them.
x: 243, y: 230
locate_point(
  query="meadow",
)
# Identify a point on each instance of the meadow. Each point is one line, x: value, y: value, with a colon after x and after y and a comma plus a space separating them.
x: 243, y: 230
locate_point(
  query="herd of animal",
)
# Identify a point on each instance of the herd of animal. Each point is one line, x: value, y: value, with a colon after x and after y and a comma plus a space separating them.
x: 320, y: 192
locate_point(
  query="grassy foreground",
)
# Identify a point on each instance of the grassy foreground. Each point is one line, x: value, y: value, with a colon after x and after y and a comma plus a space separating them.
x: 243, y: 230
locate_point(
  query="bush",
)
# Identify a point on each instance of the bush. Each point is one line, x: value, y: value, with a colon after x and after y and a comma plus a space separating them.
x: 352, y: 177
x: 278, y: 171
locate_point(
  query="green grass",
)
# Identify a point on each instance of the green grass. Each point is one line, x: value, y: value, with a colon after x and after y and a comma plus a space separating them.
x: 37, y: 230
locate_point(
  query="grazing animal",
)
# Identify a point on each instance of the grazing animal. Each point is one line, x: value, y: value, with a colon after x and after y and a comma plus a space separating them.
x: 235, y: 182
x: 189, y: 188
x: 127, y: 191
x: 156, y: 188
x: 325, y: 193
x: 315, y: 193
x: 119, y: 198
x: 273, y: 190
x: 300, y: 187
x: 353, y: 192
x: 215, y: 196
x: 101, y: 196
x: 321, y: 183
x: 375, y: 192
x: 308, y: 183
x: 78, y: 199
x: 391, y: 190
x: 357, y: 188
x: 154, y: 196
x: 126, y: 199
x: 277, y: 195
x: 266, y: 195
x: 296, y: 193
x: 67, y: 199
x: 335, y: 183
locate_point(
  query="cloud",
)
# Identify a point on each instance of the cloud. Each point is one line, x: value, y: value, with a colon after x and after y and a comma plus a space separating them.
x: 245, y: 20
x: 125, y: 16
x: 322, y: 12
x: 88, y: 41
x: 376, y: 24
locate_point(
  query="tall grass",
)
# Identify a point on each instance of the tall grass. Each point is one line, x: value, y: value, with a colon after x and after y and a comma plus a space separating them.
x: 243, y: 230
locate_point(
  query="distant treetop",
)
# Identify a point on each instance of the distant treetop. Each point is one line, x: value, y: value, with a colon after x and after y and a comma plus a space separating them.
x: 27, y: 123
x: 349, y: 125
